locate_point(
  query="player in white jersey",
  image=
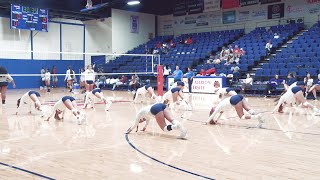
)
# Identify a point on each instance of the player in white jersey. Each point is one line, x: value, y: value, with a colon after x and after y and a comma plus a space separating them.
x: 67, y: 102
x: 161, y: 113
x: 30, y: 98
x: 5, y: 78
x: 143, y: 91
x: 90, y: 78
x: 239, y: 104
x: 47, y: 79
x: 221, y: 92
x: 96, y: 93
x: 174, y: 93
x: 294, y: 95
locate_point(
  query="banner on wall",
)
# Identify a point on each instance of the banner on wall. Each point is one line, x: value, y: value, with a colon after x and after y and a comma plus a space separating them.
x: 314, y: 9
x: 259, y: 13
x: 276, y: 11
x: 229, y: 4
x: 294, y: 10
x: 211, y: 5
x: 180, y: 8
x: 243, y: 16
x: 194, y: 6
x: 269, y: 1
x: 215, y: 17
x: 229, y: 17
x: 249, y: 2
x: 134, y: 24
x: 313, y: 1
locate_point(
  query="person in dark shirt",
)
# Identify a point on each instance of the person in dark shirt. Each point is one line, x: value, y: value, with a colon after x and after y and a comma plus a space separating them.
x: 291, y: 79
x: 273, y: 84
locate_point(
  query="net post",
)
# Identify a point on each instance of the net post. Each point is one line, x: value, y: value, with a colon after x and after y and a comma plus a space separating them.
x: 152, y: 65
x: 160, y: 80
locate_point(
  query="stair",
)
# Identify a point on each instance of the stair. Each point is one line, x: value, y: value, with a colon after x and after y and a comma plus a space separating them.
x: 267, y: 58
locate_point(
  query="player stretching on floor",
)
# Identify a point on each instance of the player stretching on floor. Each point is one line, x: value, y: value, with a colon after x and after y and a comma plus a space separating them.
x: 239, y: 103
x: 143, y: 91
x: 30, y: 98
x: 174, y: 93
x: 295, y: 96
x: 67, y: 102
x: 96, y: 93
x: 161, y: 113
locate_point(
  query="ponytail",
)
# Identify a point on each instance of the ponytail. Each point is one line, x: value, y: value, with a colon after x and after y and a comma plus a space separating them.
x: 18, y: 102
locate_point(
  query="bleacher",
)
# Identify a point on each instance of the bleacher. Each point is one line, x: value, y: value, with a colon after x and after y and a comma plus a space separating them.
x: 300, y: 56
x: 254, y: 44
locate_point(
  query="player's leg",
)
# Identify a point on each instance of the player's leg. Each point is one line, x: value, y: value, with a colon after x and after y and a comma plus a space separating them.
x: 3, y: 94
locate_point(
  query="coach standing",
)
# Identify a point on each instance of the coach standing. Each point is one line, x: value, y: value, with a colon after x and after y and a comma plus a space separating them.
x: 190, y: 75
x: 177, y: 75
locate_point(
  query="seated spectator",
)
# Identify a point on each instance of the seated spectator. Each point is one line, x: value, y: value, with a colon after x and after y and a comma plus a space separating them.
x: 235, y: 71
x: 216, y: 60
x: 101, y: 81
x: 230, y: 49
x: 236, y: 50
x: 273, y: 84
x: 158, y: 45
x: 223, y: 54
x: 210, y: 60
x: 315, y: 88
x: 242, y: 52
x: 276, y: 36
x: 188, y: 41
x: 247, y: 84
x: 118, y: 82
x: 172, y: 44
x: 289, y: 81
x: 269, y: 47
x: 229, y: 61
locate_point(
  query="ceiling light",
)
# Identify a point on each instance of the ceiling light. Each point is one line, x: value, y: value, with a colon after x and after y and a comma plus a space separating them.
x: 132, y: 3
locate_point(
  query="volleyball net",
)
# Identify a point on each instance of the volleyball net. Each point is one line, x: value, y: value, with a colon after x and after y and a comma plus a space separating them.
x: 28, y: 67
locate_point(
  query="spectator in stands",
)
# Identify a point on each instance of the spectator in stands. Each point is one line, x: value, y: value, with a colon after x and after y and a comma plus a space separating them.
x: 223, y: 54
x: 158, y: 45
x: 273, y: 84
x: 315, y: 88
x: 276, y: 36
x: 122, y: 81
x: 236, y: 50
x: 235, y: 71
x: 247, y: 83
x: 178, y: 74
x: 308, y: 82
x: 210, y: 60
x: 242, y: 52
x: 190, y: 75
x: 289, y: 81
x: 230, y: 49
x: 229, y: 61
x: 211, y: 71
x: 101, y: 81
x: 269, y: 47
x: 54, y: 77
x: 172, y: 44
x: 189, y: 40
x: 216, y: 60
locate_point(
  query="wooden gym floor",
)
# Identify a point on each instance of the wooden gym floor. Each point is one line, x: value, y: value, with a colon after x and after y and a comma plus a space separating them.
x: 30, y: 148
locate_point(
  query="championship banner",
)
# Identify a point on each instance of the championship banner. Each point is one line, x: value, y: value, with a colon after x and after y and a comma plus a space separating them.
x: 229, y: 17
x: 229, y: 4
x: 180, y: 8
x: 134, y: 24
x: 194, y: 6
x: 269, y: 1
x: 276, y: 11
x: 211, y: 5
x: 248, y: 2
x: 259, y: 13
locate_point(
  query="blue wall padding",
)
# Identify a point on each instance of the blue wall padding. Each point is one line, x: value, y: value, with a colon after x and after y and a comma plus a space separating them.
x: 15, y: 66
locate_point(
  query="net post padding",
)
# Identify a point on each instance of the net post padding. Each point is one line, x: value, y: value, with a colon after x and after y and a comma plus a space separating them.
x: 160, y: 80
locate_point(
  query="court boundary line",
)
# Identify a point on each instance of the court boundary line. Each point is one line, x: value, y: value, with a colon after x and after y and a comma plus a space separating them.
x: 163, y: 163
x: 27, y: 171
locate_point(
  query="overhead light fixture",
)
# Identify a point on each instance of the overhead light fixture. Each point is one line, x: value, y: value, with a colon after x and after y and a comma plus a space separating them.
x: 132, y: 3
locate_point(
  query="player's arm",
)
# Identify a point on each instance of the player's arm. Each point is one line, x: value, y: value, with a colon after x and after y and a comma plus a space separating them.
x: 211, y: 118
x: 136, y: 121
x: 10, y: 79
x: 53, y: 112
x: 147, y: 123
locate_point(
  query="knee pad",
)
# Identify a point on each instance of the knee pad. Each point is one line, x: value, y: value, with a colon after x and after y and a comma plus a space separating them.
x: 251, y: 112
x: 305, y: 104
x: 75, y: 111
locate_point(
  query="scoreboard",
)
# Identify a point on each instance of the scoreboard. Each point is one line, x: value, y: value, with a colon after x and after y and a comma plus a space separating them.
x: 29, y: 18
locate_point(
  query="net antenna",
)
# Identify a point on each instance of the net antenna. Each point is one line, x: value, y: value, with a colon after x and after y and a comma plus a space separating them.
x: 89, y: 4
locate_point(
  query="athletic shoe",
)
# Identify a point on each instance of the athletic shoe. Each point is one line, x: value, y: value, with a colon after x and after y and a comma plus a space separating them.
x: 260, y: 120
x: 108, y: 105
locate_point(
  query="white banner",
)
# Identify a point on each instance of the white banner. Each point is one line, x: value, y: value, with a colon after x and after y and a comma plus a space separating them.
x: 200, y: 84
x: 243, y: 16
x: 211, y: 5
x: 215, y: 17
x: 134, y: 24
x: 259, y: 12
